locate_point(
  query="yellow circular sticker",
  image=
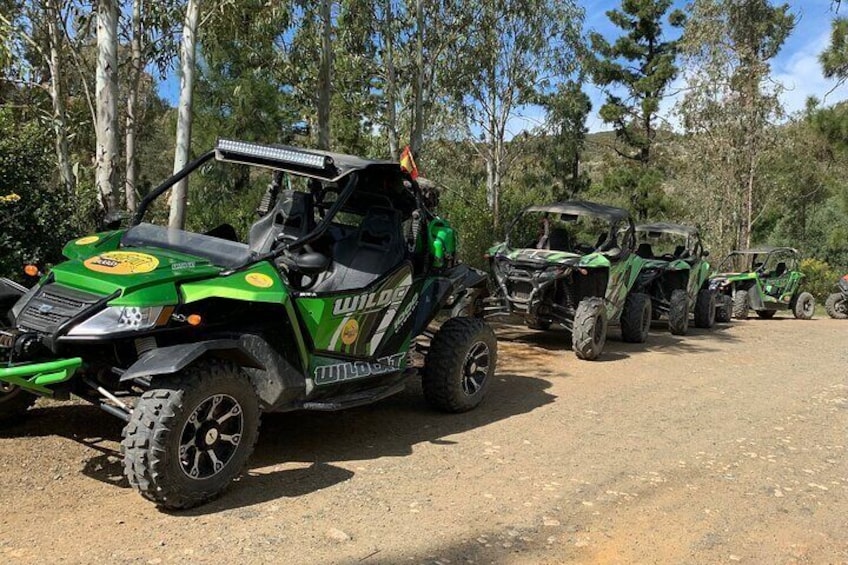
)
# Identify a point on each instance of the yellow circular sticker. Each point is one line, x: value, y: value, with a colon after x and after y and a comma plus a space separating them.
x: 350, y: 332
x: 87, y: 240
x: 259, y: 280
x: 122, y: 263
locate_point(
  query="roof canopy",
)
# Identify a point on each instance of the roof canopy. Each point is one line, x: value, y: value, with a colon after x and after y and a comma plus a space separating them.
x: 763, y: 250
x: 313, y: 163
x: 581, y: 208
x: 665, y: 227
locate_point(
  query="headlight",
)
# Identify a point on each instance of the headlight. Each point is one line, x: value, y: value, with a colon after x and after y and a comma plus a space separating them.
x: 23, y: 301
x: 118, y: 319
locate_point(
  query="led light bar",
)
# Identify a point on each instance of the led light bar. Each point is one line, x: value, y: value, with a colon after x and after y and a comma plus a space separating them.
x: 274, y: 153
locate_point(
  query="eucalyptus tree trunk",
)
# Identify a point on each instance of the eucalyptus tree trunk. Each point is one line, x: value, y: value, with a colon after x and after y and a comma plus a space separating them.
x: 325, y: 75
x: 132, y: 106
x: 391, y: 83
x: 418, y: 109
x: 57, y: 97
x: 106, y: 96
x: 188, y: 49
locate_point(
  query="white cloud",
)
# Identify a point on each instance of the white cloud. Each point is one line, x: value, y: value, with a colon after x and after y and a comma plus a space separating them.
x: 801, y: 75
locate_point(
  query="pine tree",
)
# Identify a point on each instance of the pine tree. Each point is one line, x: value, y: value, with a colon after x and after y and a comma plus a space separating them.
x: 639, y: 67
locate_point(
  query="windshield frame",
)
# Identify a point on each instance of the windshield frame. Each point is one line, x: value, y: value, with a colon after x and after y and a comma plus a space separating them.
x: 614, y: 228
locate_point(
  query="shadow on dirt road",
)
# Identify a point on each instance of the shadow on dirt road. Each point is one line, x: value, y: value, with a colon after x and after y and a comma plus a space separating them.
x: 388, y: 429
x: 660, y: 340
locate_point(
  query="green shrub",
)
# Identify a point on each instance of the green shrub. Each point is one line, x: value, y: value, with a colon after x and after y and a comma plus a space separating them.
x: 36, y: 218
x: 820, y: 277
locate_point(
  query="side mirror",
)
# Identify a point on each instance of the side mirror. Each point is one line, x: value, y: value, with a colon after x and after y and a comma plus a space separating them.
x: 310, y: 263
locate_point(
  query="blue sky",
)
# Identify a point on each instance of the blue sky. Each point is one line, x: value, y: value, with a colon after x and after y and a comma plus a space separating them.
x: 796, y: 66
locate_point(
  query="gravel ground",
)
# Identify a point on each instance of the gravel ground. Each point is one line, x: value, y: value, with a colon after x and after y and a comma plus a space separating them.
x: 719, y: 447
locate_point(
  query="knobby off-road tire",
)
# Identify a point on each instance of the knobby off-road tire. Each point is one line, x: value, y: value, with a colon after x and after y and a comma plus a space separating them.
x: 836, y: 306
x: 740, y: 305
x: 189, y: 438
x: 538, y: 324
x: 724, y: 309
x: 636, y: 318
x: 805, y: 306
x: 678, y: 312
x: 766, y: 314
x: 14, y: 402
x: 460, y: 365
x: 705, y: 309
x: 589, y: 333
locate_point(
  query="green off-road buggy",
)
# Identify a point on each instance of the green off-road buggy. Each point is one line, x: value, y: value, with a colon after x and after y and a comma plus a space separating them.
x: 573, y: 264
x: 676, y: 275
x: 836, y: 304
x: 188, y: 337
x: 766, y: 280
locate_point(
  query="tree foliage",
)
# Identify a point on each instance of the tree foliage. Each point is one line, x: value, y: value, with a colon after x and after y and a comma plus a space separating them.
x: 637, y: 70
x: 35, y: 212
x: 455, y: 81
x: 730, y: 111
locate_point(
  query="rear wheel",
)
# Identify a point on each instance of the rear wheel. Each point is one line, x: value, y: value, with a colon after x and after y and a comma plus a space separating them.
x: 14, y: 402
x: 705, y: 309
x: 636, y: 318
x: 740, y: 305
x: 589, y: 333
x: 805, y: 306
x: 460, y: 365
x: 724, y: 308
x: 188, y: 439
x: 678, y: 312
x: 836, y: 306
x: 766, y: 314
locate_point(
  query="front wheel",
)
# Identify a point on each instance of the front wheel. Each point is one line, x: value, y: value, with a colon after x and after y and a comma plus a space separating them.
x: 14, y: 402
x: 836, y: 306
x: 636, y: 318
x: 805, y: 306
x: 705, y: 309
x: 460, y: 365
x: 589, y: 333
x: 678, y: 312
x: 724, y: 309
x: 741, y: 305
x: 189, y: 438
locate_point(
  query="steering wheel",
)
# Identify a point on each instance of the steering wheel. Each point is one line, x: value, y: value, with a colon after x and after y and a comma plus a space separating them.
x: 301, y: 280
x: 287, y: 238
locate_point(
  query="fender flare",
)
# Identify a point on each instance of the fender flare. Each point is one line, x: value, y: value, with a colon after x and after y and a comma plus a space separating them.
x: 169, y: 360
x: 464, y: 276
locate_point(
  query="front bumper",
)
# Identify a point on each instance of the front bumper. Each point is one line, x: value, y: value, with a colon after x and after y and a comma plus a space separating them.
x: 38, y: 377
x: 523, y: 288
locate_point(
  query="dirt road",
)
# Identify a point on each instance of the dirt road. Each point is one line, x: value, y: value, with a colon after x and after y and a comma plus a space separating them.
x: 720, y: 447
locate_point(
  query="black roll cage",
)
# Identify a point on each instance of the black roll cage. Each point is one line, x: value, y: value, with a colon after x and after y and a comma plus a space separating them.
x: 351, y: 182
x: 613, y: 223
